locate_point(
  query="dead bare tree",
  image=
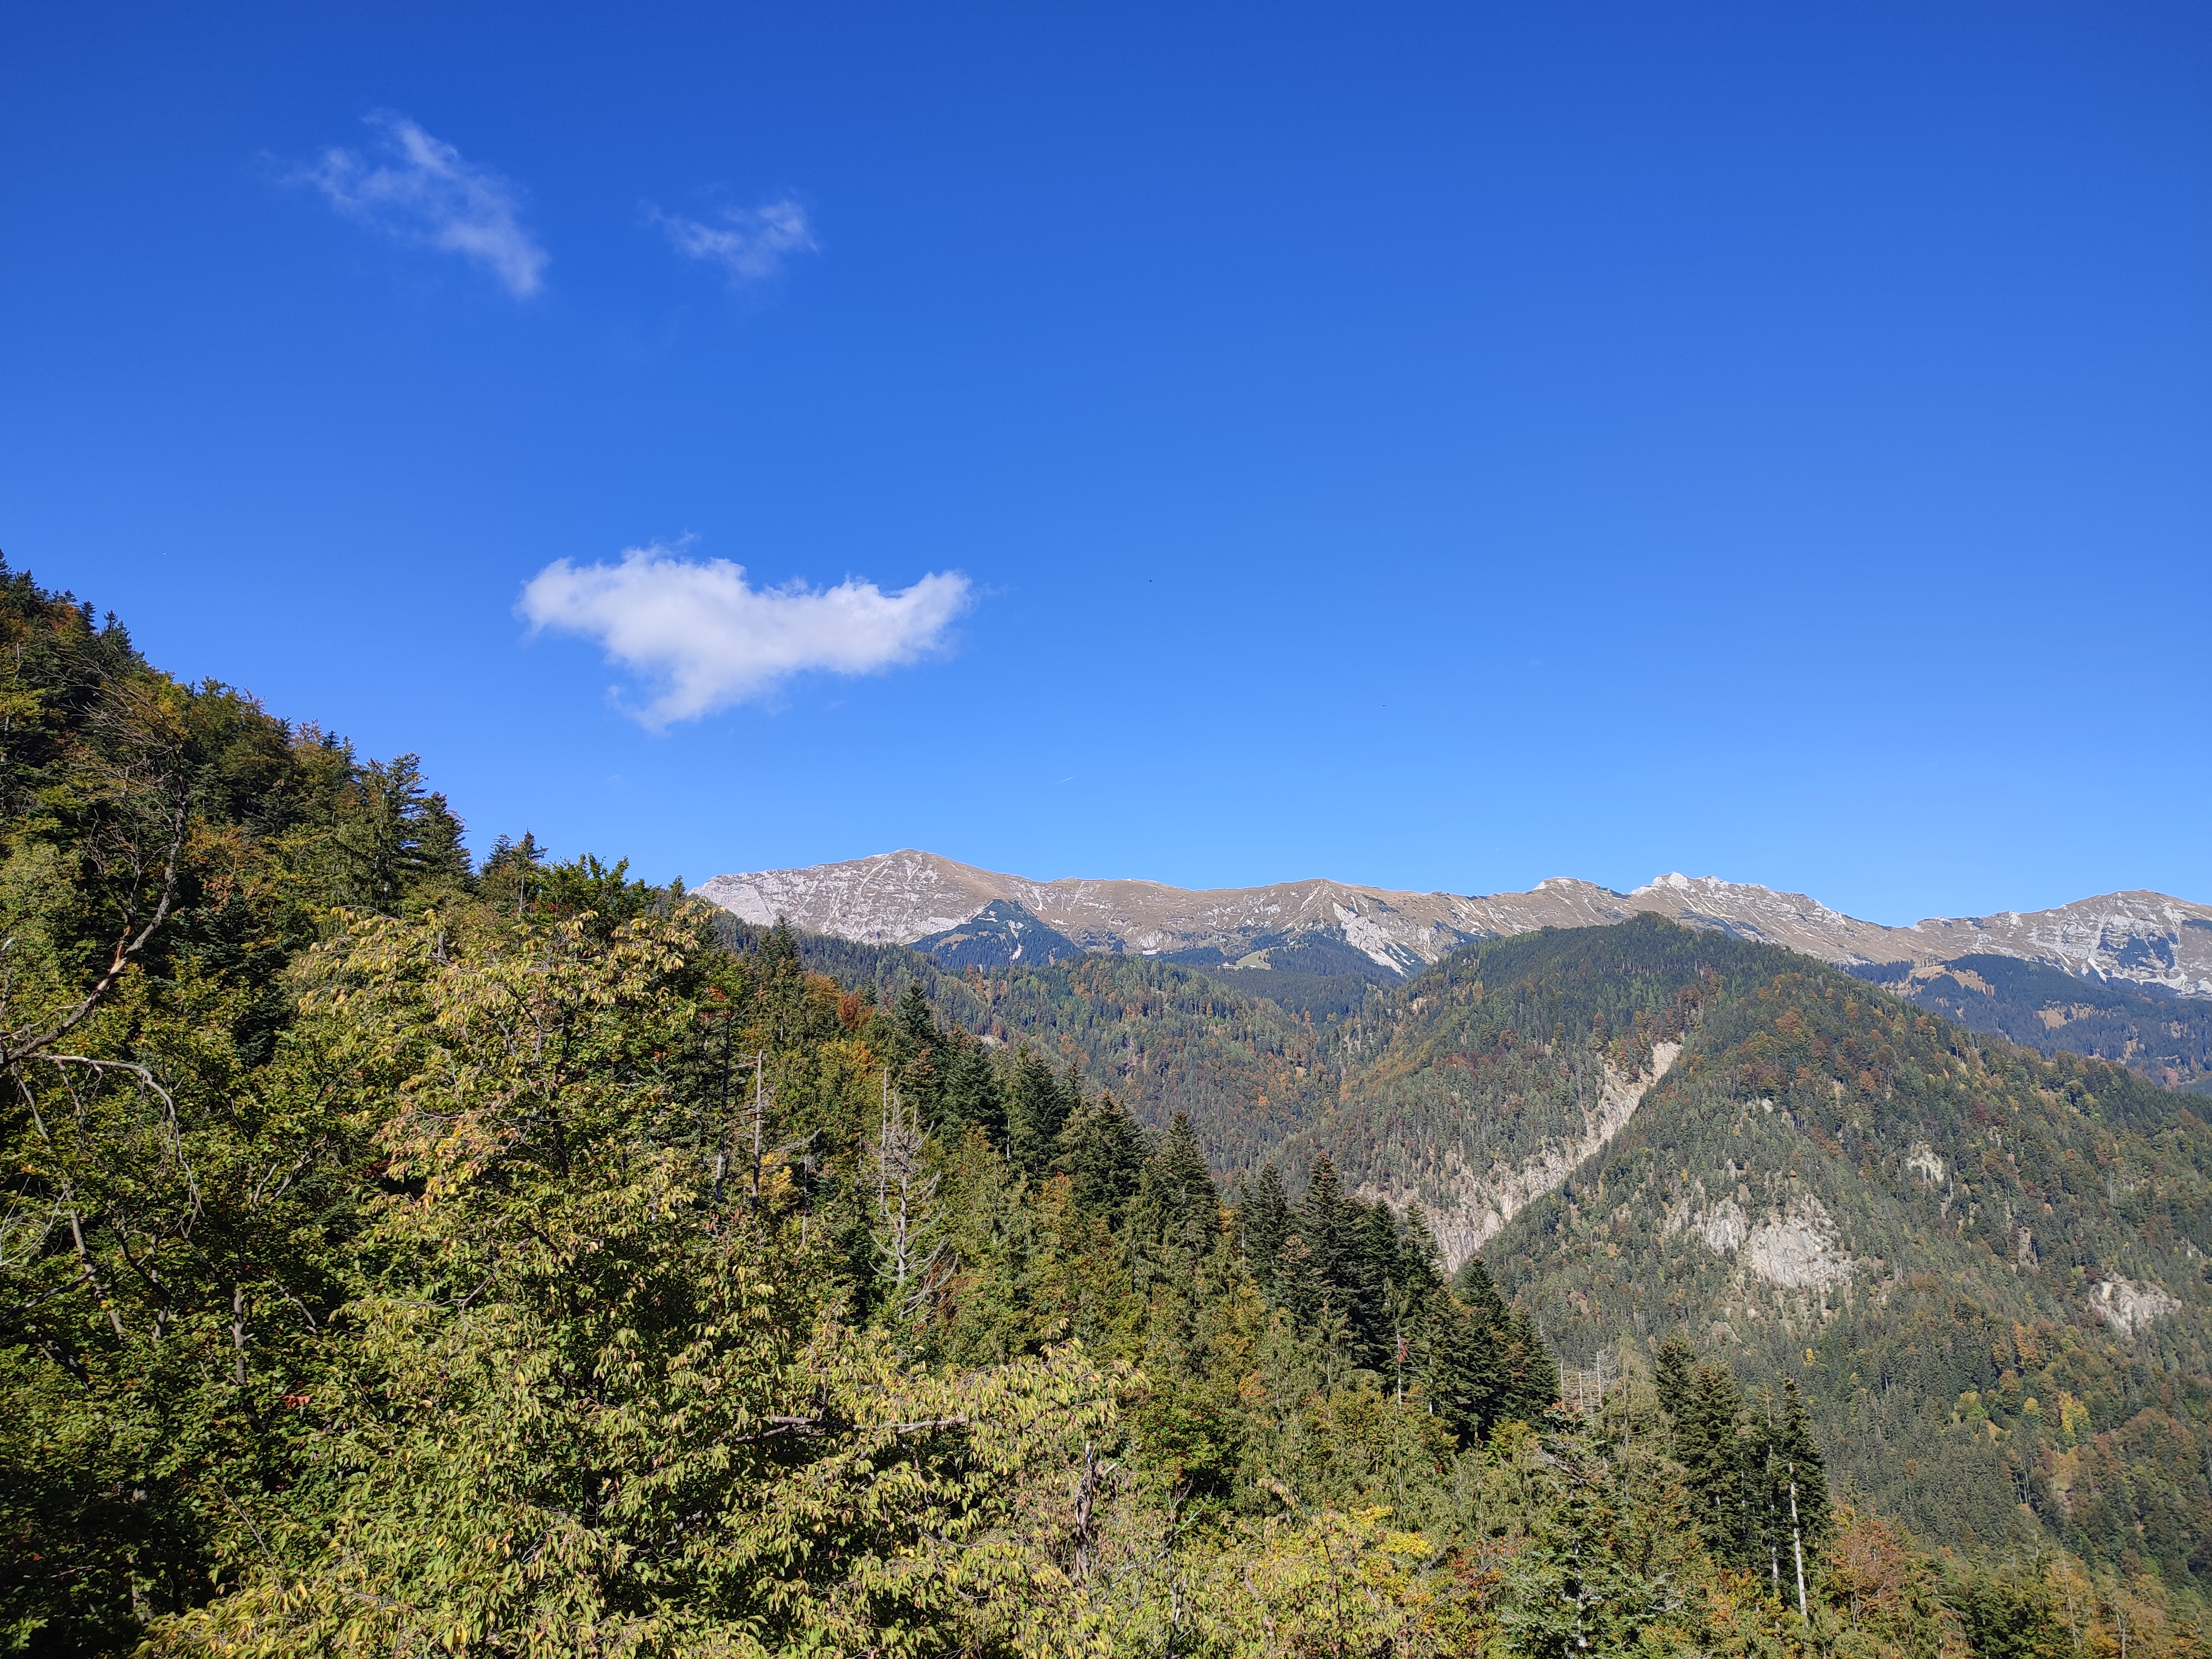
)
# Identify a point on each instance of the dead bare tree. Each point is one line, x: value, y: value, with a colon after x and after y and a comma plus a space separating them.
x: 907, y: 1224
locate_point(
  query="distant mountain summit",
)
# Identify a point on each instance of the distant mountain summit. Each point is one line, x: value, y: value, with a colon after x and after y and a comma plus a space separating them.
x: 1330, y: 927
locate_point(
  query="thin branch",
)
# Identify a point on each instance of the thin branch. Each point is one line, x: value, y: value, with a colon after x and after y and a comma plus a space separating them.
x: 126, y: 951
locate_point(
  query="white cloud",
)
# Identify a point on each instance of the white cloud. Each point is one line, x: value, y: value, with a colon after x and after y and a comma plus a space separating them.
x: 748, y: 245
x: 706, y: 638
x: 421, y: 190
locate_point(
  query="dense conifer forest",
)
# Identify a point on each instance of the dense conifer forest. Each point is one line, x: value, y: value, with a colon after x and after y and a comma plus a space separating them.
x: 408, y: 1251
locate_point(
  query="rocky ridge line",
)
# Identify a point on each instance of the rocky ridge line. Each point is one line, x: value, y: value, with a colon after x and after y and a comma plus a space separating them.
x: 899, y: 898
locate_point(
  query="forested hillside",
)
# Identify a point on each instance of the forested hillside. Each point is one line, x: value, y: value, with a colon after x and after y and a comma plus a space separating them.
x: 406, y: 1252
x: 1161, y: 1037
x: 1986, y: 1268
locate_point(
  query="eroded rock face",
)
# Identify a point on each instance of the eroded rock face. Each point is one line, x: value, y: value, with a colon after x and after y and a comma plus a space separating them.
x: 1480, y: 1205
x: 1795, y: 1247
x: 1723, y: 1225
x: 1798, y: 1249
x: 2128, y: 1307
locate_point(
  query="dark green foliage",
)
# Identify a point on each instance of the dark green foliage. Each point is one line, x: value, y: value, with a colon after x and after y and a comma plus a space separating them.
x: 1002, y: 934
x: 1264, y: 1221
x: 1038, y: 1102
x: 1671, y: 1377
x: 399, y: 839
x: 1102, y: 1151
x: 1180, y: 1204
x: 1159, y: 1037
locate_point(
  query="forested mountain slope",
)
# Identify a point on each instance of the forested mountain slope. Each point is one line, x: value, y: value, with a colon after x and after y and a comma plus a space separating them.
x: 1987, y: 1268
x: 1648, y: 1128
x: 1161, y: 1038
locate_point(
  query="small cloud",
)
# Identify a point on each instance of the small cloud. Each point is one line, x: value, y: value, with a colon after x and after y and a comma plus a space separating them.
x: 708, y: 639
x: 749, y: 244
x: 421, y: 190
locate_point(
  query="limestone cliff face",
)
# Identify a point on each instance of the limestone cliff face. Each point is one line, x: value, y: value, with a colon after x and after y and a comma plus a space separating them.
x: 896, y: 899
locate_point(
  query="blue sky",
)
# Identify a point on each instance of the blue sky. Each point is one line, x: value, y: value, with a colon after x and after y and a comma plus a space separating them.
x: 1439, y: 446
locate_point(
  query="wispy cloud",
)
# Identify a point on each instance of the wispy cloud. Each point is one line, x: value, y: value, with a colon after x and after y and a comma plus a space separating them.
x: 421, y: 190
x: 704, y: 638
x: 750, y: 244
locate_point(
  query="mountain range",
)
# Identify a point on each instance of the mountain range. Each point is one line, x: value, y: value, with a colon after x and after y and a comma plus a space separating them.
x: 909, y: 897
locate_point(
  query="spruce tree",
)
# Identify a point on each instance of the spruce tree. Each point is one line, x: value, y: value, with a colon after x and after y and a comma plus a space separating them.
x: 1102, y: 1151
x: 398, y: 836
x: 1264, y: 1222
x: 1478, y: 1291
x: 1322, y: 1225
x: 1707, y: 1446
x: 1192, y: 1202
x: 1802, y: 1475
x: 916, y: 1027
x: 972, y: 1092
x: 1670, y: 1374
x: 1036, y: 1109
